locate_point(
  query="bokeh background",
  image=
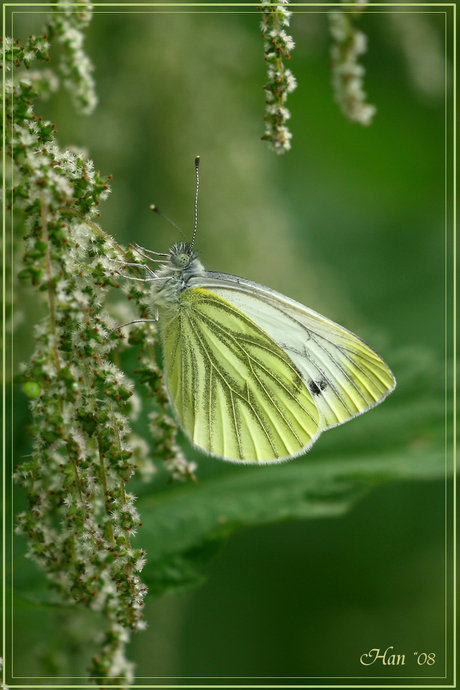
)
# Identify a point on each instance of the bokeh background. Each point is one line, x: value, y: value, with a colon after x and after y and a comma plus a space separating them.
x: 352, y: 222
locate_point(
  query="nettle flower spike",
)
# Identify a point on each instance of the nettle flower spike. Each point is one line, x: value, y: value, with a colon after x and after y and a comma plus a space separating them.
x: 80, y: 517
x: 281, y: 81
x: 347, y: 73
x: 68, y: 24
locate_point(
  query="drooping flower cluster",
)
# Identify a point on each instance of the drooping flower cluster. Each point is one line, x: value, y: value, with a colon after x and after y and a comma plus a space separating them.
x: 281, y: 81
x: 80, y: 517
x: 67, y: 24
x: 347, y: 73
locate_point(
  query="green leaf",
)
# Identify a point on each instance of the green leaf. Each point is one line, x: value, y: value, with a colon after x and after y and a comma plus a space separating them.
x: 183, y: 527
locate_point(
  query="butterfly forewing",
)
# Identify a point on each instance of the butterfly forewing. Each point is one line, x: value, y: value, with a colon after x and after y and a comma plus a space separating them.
x: 351, y: 377
x: 344, y: 375
x: 236, y: 392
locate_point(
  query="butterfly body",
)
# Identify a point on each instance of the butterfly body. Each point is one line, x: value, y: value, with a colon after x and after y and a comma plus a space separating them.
x: 252, y: 375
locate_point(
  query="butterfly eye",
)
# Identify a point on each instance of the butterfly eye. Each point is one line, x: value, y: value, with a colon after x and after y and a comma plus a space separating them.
x: 182, y: 260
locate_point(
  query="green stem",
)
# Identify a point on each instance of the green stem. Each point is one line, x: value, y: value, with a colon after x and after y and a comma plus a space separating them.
x: 49, y: 272
x: 104, y: 488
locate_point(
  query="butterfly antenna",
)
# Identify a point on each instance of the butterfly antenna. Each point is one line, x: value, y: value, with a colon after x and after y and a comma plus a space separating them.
x: 197, y: 169
x: 153, y: 207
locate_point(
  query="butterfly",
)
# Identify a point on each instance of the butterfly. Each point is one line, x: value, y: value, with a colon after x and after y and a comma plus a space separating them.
x: 254, y: 376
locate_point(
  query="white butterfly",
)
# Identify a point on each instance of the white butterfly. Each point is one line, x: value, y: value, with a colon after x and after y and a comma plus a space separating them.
x: 253, y: 376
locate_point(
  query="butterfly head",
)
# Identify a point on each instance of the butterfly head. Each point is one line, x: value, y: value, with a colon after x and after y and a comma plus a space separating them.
x: 174, y: 275
x: 182, y: 255
x: 184, y: 261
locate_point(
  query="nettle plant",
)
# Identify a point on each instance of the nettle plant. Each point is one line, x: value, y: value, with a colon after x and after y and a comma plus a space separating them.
x: 347, y: 74
x: 80, y: 516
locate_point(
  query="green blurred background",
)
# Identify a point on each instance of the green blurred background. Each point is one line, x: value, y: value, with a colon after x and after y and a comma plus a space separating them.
x: 350, y: 222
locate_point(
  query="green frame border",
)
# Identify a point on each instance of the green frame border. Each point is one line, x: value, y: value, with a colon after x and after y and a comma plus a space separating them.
x: 450, y: 191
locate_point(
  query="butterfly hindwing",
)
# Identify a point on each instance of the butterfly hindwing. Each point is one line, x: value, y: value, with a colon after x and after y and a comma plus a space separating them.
x: 236, y: 392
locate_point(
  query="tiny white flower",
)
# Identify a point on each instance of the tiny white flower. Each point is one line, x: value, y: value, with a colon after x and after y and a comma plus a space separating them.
x: 140, y: 563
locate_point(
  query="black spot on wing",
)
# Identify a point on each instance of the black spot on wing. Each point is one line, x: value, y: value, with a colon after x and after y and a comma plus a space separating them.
x: 316, y: 387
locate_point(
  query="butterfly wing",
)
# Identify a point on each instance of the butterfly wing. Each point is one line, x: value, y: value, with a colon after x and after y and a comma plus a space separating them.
x: 344, y: 375
x: 237, y: 394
